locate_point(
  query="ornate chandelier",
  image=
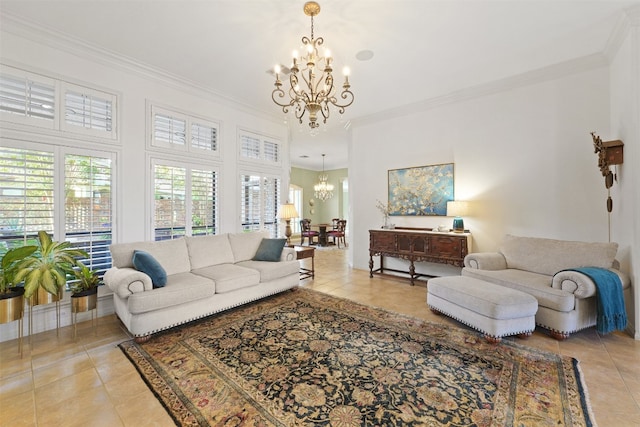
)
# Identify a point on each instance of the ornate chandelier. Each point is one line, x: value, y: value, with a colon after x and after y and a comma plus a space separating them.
x: 311, y: 85
x: 323, y: 189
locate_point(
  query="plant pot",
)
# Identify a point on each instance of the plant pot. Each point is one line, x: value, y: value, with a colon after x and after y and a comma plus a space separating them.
x: 12, y: 305
x: 41, y: 296
x: 84, y: 301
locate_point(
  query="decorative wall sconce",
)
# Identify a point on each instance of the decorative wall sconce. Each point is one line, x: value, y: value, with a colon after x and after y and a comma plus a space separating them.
x: 609, y: 153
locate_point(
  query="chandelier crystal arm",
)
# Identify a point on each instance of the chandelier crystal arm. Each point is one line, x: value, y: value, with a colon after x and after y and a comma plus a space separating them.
x: 311, y: 85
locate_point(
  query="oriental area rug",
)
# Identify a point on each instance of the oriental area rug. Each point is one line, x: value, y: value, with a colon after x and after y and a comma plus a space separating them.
x: 303, y: 358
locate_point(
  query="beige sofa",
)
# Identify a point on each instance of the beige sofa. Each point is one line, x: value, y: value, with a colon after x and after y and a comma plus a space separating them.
x: 205, y: 275
x: 566, y: 299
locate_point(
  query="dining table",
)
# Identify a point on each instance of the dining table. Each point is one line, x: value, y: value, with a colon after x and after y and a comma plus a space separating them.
x: 322, y: 236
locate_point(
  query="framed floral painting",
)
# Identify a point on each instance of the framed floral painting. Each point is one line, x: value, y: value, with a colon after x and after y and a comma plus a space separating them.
x: 420, y: 191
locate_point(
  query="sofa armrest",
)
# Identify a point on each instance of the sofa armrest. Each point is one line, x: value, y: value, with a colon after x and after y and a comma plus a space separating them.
x: 581, y: 285
x: 485, y: 261
x: 127, y: 281
x: 288, y: 254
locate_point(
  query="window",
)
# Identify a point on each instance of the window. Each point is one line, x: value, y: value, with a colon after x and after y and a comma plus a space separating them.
x: 295, y: 197
x: 35, y: 100
x: 259, y: 148
x: 87, y: 111
x: 26, y: 195
x: 182, y: 132
x: 88, y: 208
x: 185, y: 201
x: 27, y: 98
x: 259, y: 202
x: 28, y: 192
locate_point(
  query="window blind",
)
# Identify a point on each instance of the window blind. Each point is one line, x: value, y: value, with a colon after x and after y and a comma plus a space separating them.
x: 88, y: 111
x: 203, y: 202
x: 25, y: 97
x: 169, y: 130
x: 204, y: 137
x: 170, y: 208
x: 88, y: 208
x: 26, y: 195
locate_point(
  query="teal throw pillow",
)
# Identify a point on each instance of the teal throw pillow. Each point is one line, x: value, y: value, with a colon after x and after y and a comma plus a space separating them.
x: 270, y: 250
x: 145, y: 262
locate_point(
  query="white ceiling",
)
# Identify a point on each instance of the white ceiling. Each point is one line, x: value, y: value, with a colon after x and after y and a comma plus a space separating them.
x: 423, y: 49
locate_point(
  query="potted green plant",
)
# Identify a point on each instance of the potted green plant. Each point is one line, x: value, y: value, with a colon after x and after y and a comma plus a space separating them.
x: 45, y: 271
x: 12, y: 295
x: 84, y: 290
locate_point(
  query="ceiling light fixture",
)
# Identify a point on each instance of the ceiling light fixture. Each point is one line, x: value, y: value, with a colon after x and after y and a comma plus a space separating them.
x: 323, y: 189
x: 311, y: 81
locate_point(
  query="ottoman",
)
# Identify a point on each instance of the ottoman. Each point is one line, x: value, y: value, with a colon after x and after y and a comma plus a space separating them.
x: 494, y: 310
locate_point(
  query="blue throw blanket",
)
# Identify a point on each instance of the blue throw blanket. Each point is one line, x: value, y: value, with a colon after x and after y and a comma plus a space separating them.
x: 611, y: 312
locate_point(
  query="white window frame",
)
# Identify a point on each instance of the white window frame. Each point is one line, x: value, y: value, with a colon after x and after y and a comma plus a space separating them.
x: 94, y: 93
x: 190, y: 120
x: 59, y: 126
x: 262, y: 157
x: 263, y: 223
x: 189, y: 166
x: 58, y: 227
x: 296, y: 196
x: 27, y: 120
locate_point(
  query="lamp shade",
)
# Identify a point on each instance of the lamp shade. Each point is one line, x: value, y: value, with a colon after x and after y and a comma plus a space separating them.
x: 457, y: 208
x: 287, y: 211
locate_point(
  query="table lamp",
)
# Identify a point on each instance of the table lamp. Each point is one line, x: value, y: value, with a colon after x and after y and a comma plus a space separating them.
x: 457, y: 209
x: 287, y: 212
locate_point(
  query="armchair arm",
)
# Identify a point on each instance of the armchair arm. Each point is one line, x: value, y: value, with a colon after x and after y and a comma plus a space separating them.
x: 288, y: 254
x: 127, y: 281
x: 485, y: 261
x: 580, y: 284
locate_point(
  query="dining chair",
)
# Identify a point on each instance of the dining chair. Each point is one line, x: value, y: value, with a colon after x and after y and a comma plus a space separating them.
x: 339, y: 233
x: 306, y: 231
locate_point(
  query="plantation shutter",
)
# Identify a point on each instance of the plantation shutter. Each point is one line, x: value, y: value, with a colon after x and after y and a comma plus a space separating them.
x: 170, y: 207
x: 88, y: 111
x: 204, y: 137
x: 88, y: 208
x: 168, y: 130
x: 25, y: 97
x: 259, y: 198
x: 204, y: 189
x: 271, y: 152
x: 271, y: 204
x: 26, y: 194
x: 250, y: 202
x: 249, y: 147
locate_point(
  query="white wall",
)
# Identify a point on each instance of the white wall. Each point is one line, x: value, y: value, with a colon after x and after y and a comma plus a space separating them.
x: 135, y: 85
x: 523, y: 157
x: 625, y: 125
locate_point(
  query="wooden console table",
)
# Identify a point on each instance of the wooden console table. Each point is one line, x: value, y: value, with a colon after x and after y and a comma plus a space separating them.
x: 417, y: 244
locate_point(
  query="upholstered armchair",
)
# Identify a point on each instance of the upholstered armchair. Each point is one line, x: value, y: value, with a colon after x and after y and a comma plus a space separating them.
x: 305, y: 231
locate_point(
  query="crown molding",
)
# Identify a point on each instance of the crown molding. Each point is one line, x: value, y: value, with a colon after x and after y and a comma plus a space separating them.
x: 37, y: 33
x: 540, y: 75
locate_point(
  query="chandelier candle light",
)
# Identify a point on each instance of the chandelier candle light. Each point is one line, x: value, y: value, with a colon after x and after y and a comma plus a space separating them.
x: 311, y: 85
x: 323, y: 189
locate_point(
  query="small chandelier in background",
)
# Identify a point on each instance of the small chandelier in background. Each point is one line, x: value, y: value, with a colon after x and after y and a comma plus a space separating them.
x: 311, y: 87
x: 323, y: 189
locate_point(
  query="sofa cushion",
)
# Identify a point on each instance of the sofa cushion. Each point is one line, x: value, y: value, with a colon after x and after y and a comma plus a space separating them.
x: 537, y: 285
x: 205, y: 251
x: 229, y: 277
x: 145, y: 262
x: 548, y: 256
x: 245, y: 245
x: 172, y: 255
x: 180, y: 288
x: 270, y: 250
x: 272, y: 270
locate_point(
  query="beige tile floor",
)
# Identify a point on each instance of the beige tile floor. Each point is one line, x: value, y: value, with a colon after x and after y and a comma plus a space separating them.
x: 60, y: 381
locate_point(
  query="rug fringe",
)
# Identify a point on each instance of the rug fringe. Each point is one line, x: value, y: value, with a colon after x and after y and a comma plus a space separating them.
x: 584, y: 392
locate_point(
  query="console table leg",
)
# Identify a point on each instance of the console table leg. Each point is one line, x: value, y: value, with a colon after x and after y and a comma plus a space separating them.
x: 370, y: 266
